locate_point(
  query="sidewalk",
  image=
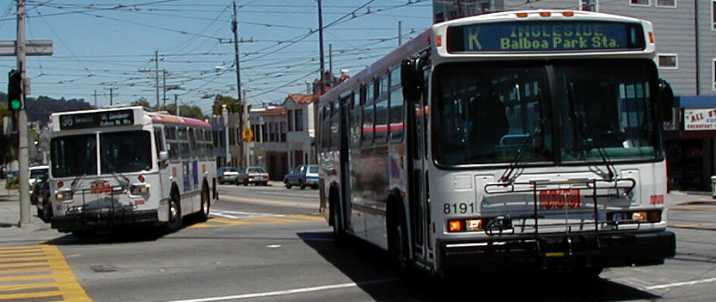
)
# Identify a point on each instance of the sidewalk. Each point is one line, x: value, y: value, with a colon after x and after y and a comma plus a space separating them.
x: 37, y: 230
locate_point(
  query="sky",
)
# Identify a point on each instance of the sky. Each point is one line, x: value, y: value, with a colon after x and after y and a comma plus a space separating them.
x: 102, y: 44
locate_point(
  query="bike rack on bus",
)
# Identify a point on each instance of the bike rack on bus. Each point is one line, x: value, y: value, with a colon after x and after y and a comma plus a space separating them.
x: 619, y: 186
x: 113, y: 211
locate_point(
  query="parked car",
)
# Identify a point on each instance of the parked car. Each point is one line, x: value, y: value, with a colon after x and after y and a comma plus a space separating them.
x: 36, y: 173
x: 40, y: 198
x: 303, y: 176
x: 228, y: 175
x: 253, y: 175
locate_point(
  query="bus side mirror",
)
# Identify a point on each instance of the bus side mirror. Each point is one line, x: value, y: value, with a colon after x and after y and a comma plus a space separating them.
x: 409, y: 79
x: 163, y: 156
x: 666, y: 101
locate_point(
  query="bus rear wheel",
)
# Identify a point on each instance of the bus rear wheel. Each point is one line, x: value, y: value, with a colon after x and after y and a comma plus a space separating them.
x: 397, y: 235
x: 174, y: 221
x: 205, y: 205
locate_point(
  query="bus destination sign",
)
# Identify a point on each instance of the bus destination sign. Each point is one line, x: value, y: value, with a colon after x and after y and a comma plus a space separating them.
x: 97, y: 119
x: 541, y: 36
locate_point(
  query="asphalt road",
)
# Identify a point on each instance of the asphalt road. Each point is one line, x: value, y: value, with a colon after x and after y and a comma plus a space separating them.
x: 267, y: 244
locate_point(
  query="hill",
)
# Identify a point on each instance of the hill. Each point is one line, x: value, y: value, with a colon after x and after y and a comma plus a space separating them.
x: 40, y: 108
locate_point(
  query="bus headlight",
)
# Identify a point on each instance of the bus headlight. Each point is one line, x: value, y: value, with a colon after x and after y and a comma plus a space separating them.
x: 139, y: 189
x: 466, y: 225
x: 641, y: 216
x: 64, y: 196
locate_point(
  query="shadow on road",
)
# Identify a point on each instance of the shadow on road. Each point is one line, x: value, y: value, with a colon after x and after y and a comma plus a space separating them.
x: 364, y: 264
x: 126, y: 234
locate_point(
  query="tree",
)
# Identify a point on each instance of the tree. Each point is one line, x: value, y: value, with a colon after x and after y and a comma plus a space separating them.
x: 142, y: 102
x: 186, y: 111
x: 231, y: 103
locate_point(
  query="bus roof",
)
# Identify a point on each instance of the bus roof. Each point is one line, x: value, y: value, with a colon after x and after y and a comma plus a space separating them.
x: 124, y: 116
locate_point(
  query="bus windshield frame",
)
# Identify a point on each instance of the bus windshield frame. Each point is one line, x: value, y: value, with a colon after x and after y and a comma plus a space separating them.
x: 545, y: 123
x: 76, y: 155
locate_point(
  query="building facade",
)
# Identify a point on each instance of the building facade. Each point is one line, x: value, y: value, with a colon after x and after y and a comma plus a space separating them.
x: 301, y: 136
x: 269, y: 148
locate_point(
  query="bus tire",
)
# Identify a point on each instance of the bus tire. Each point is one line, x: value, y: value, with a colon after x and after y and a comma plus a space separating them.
x: 174, y: 221
x: 339, y: 233
x: 205, y: 204
x: 397, y: 233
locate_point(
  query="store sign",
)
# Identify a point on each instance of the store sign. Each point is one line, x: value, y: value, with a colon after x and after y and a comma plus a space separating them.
x: 699, y: 119
x: 97, y: 119
x: 539, y: 36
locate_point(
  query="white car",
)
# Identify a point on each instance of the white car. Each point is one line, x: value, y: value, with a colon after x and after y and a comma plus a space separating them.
x: 36, y: 173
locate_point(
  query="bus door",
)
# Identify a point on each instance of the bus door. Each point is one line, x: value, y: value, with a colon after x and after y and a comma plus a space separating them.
x: 164, y: 170
x: 344, y: 105
x: 417, y: 142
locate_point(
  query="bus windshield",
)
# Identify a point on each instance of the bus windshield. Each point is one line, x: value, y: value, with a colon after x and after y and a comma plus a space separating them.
x: 500, y: 113
x: 488, y: 113
x: 124, y: 152
x: 74, y: 155
x: 606, y: 107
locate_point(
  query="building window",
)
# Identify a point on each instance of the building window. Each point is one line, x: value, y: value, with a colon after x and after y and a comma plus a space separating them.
x: 264, y: 133
x: 589, y: 5
x: 283, y: 131
x: 666, y: 3
x: 668, y: 61
x: 713, y: 15
x: 290, y: 120
x: 713, y: 72
x: 640, y: 2
x: 299, y: 120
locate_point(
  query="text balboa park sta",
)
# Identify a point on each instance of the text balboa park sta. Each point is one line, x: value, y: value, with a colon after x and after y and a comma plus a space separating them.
x: 554, y: 37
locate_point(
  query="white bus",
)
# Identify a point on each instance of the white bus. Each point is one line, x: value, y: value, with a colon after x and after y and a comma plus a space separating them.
x: 126, y: 166
x: 527, y: 140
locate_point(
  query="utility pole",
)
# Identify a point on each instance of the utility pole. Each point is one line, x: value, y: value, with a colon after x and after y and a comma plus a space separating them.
x: 400, y: 33
x: 111, y: 101
x: 176, y: 104
x: 156, y: 74
x: 320, y: 43
x: 330, y: 61
x: 164, y: 85
x: 22, y: 154
x: 95, y: 98
x: 237, y: 64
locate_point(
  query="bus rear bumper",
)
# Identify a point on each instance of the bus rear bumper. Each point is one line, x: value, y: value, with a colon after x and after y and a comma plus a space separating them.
x: 562, y: 252
x: 103, y: 220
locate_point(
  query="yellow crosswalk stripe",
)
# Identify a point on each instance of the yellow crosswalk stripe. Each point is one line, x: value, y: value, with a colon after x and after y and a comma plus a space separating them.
x: 37, y: 272
x: 215, y: 222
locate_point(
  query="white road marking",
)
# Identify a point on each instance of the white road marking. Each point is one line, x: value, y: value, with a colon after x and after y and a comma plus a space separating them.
x: 239, y: 215
x: 273, y: 246
x: 677, y: 284
x: 285, y: 292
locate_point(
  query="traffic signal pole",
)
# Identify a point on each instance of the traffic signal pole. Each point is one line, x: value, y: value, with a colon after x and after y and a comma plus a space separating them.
x: 22, y: 154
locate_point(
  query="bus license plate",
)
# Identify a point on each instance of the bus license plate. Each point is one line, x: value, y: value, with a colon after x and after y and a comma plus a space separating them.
x: 560, y: 199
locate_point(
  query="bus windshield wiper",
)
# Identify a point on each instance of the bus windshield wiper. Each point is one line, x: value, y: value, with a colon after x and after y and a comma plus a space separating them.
x: 507, y: 176
x: 587, y: 142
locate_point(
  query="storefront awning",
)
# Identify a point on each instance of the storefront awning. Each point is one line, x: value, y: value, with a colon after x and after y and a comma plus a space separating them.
x: 696, y: 102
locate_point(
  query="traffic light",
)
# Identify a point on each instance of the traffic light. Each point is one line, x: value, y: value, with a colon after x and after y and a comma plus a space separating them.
x: 14, y: 90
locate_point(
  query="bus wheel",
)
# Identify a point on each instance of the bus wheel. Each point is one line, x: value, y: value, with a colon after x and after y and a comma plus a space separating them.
x: 336, y: 220
x: 397, y: 235
x: 175, y: 220
x: 205, y: 205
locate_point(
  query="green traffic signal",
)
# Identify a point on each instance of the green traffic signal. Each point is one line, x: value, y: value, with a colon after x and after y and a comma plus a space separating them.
x: 14, y: 90
x: 15, y: 105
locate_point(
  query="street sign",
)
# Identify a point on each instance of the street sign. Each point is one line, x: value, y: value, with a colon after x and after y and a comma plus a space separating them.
x: 33, y: 47
x: 247, y: 135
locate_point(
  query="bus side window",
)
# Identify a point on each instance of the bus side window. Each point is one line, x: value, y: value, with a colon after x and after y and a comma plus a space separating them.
x: 171, y: 136
x: 396, y: 106
x: 192, y: 142
x: 367, y: 123
x: 159, y: 140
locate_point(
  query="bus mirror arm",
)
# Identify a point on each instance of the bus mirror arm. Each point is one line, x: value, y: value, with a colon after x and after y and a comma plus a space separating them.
x: 163, y: 158
x: 666, y: 101
x: 409, y: 78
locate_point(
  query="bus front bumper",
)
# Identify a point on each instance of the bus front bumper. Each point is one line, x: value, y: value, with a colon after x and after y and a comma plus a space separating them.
x: 103, y: 219
x: 559, y: 252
